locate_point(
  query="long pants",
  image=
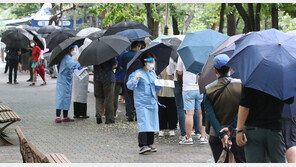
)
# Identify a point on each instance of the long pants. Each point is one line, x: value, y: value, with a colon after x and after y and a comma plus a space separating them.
x: 262, y: 141
x: 168, y: 114
x: 129, y: 102
x: 104, y: 93
x: 196, y: 122
x: 180, y: 108
x: 118, y: 85
x: 12, y: 66
x: 145, y: 138
x: 217, y: 148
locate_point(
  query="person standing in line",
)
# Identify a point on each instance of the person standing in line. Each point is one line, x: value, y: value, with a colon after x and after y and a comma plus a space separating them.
x: 104, y: 85
x: 64, y: 84
x: 7, y: 61
x: 192, y: 99
x: 37, y: 61
x: 142, y: 82
x: 167, y: 113
x: 126, y: 58
x: 13, y: 60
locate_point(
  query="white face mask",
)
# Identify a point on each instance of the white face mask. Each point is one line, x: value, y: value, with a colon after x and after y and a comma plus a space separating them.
x: 74, y: 52
x: 150, y: 66
x: 32, y: 44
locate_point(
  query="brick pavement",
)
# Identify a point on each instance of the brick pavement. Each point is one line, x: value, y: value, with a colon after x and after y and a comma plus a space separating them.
x: 82, y: 140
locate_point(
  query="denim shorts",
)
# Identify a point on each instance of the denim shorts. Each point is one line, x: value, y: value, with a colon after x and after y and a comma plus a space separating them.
x: 192, y: 99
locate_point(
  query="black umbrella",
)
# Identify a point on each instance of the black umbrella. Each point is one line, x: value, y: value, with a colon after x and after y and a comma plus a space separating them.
x: 96, y: 35
x: 31, y: 28
x: 103, y: 49
x: 37, y: 38
x: 62, y: 49
x: 16, y: 38
x: 47, y: 56
x: 58, y: 36
x: 173, y: 42
x: 125, y: 25
x: 47, y: 29
x: 162, y: 53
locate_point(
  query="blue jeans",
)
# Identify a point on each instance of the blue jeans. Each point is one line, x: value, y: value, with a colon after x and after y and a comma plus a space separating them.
x: 180, y: 108
x: 196, y: 122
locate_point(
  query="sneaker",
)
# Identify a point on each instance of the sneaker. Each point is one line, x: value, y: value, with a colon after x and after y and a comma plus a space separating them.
x: 144, y: 149
x: 58, y: 120
x: 182, y: 137
x: 186, y: 141
x: 161, y: 133
x: 203, y: 140
x: 171, y: 133
x: 198, y: 136
x: 15, y: 82
x: 68, y: 119
x: 192, y: 133
x: 9, y: 82
x: 152, y: 149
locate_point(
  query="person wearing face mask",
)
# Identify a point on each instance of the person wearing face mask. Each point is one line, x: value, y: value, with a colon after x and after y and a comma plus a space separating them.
x: 64, y: 85
x: 37, y: 63
x: 142, y: 83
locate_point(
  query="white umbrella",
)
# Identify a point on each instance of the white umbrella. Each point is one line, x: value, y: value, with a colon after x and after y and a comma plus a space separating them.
x: 87, y: 31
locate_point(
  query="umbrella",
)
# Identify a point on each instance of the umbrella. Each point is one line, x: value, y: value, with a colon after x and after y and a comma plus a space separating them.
x: 125, y: 25
x: 266, y: 61
x: 208, y: 74
x: 47, y: 29
x: 197, y: 47
x: 157, y: 40
x: 103, y: 49
x: 162, y: 53
x: 26, y: 27
x: 292, y: 32
x: 16, y: 38
x: 47, y: 56
x: 62, y: 49
x: 87, y: 31
x: 96, y: 35
x: 134, y: 34
x: 289, y: 110
x: 174, y: 42
x: 59, y: 36
x: 38, y: 39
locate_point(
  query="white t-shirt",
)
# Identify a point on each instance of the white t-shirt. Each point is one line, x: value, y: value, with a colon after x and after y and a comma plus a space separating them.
x: 189, y: 79
x: 171, y: 69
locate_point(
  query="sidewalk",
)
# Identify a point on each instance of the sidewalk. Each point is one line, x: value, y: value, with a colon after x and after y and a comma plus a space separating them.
x: 82, y: 140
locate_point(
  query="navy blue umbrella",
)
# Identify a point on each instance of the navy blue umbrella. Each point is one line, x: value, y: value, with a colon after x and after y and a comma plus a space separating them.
x: 134, y: 34
x: 289, y: 110
x: 266, y: 61
x: 162, y: 53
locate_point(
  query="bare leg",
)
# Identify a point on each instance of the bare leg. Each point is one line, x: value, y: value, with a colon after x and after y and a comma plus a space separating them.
x: 34, y: 76
x: 291, y: 155
x: 202, y: 128
x: 189, y: 122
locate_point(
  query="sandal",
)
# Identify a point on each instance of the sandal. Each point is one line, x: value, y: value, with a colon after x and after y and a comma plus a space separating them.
x: 44, y: 83
x: 32, y: 84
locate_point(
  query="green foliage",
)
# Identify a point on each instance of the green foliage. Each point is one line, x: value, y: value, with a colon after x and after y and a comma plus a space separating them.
x: 288, y: 8
x: 24, y: 9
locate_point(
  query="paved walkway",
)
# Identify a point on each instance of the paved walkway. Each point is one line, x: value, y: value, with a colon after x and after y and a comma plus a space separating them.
x: 82, y: 140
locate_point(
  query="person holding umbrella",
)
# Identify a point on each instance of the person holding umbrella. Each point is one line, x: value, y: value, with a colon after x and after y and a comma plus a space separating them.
x: 64, y: 84
x: 36, y: 53
x: 13, y: 60
x: 142, y: 83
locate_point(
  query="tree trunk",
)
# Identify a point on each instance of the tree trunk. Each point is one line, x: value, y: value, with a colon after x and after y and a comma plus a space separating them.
x: 257, y: 19
x: 175, y: 26
x: 242, y: 12
x: 150, y: 20
x: 251, y: 15
x: 187, y: 23
x: 231, y: 23
x: 275, y: 16
x: 221, y: 24
x: 214, y: 26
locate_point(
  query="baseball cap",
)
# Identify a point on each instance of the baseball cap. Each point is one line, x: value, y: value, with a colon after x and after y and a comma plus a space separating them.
x: 220, y: 60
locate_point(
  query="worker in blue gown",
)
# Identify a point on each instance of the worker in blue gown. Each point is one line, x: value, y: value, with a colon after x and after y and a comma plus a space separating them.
x: 64, y: 84
x: 142, y: 82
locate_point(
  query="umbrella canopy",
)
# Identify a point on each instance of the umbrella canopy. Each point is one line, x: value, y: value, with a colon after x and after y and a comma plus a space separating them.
x: 134, y: 34
x: 174, y: 42
x: 266, y: 61
x: 38, y: 39
x: 96, y: 35
x: 125, y: 25
x: 30, y: 28
x: 208, y: 74
x: 157, y: 40
x: 292, y: 32
x: 289, y: 110
x: 197, y: 47
x: 16, y: 38
x: 162, y: 53
x: 103, y: 49
x: 47, y: 29
x: 47, y: 56
x: 62, y: 49
x: 87, y: 31
x: 59, y: 36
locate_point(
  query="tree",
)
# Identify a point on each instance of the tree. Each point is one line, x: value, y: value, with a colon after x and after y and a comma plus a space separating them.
x: 24, y: 9
x: 231, y: 22
x: 221, y: 24
x: 249, y: 19
x: 275, y: 16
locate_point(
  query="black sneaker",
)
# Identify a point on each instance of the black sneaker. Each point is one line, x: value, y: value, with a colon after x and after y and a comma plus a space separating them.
x: 152, y: 149
x: 99, y: 120
x: 9, y: 82
x: 144, y: 149
x: 30, y: 80
x: 130, y: 119
x: 109, y: 121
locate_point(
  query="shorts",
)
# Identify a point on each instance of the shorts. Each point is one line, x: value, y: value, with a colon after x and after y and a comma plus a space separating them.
x: 34, y: 64
x: 289, y: 132
x: 192, y: 99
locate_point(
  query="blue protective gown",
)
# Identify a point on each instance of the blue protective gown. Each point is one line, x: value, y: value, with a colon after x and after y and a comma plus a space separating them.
x: 64, y: 82
x: 145, y: 100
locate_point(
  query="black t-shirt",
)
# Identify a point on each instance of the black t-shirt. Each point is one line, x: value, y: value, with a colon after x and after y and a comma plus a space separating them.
x: 13, y: 54
x: 104, y: 71
x: 265, y: 110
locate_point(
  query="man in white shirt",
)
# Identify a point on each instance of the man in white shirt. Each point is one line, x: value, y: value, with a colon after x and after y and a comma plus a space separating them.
x: 191, y: 99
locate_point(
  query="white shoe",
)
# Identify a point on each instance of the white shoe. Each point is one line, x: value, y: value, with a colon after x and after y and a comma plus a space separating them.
x: 182, y: 137
x: 186, y: 141
x: 161, y: 133
x: 171, y: 133
x: 203, y: 140
x: 192, y: 133
x: 198, y: 136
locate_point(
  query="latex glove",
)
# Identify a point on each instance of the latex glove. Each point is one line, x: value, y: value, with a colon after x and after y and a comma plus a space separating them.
x: 137, y: 76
